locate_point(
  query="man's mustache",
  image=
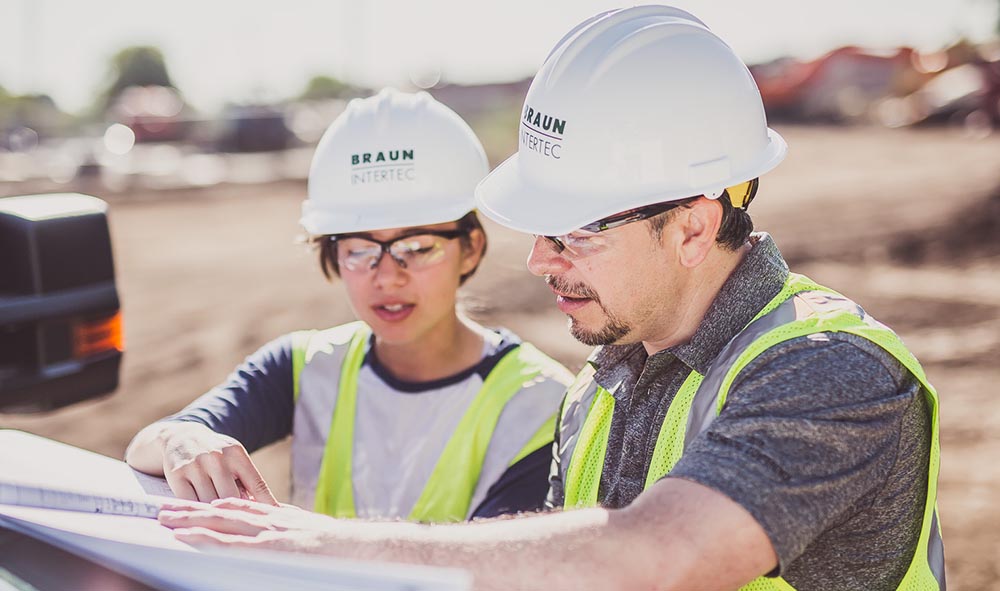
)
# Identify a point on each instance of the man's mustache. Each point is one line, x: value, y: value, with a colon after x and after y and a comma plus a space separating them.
x: 574, y: 290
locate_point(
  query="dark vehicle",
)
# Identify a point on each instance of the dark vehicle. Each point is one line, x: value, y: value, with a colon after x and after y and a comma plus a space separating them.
x: 60, y: 317
x: 254, y: 128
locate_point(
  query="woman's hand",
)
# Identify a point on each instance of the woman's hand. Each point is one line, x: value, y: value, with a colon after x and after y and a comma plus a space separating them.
x: 202, y: 465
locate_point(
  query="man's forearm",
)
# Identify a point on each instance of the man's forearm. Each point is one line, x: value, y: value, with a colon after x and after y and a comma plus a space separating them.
x: 574, y: 550
x: 678, y: 535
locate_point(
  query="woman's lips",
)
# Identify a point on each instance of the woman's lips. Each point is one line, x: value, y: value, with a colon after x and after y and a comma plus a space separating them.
x: 394, y: 312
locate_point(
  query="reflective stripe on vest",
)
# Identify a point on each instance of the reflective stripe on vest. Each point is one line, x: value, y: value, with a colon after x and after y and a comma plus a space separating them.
x: 325, y: 410
x: 314, y: 412
x: 801, y: 308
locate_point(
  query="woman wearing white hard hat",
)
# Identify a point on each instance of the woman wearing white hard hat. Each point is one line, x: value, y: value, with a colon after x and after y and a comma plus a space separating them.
x: 414, y: 411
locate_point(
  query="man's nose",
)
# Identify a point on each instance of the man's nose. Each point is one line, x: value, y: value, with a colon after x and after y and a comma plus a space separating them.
x: 544, y: 260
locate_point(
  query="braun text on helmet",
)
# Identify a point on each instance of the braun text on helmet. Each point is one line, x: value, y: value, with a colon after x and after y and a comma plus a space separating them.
x: 382, y: 167
x: 542, y: 133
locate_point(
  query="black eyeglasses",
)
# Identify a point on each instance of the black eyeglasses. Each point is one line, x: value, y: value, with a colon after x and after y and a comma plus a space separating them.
x: 587, y: 241
x: 414, y: 250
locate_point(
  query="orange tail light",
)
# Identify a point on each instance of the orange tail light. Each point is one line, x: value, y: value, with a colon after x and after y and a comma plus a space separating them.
x: 98, y: 336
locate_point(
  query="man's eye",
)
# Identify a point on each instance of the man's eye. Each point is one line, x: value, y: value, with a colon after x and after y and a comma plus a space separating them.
x: 570, y: 239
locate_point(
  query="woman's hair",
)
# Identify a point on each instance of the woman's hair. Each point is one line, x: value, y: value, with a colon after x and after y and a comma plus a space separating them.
x: 328, y: 252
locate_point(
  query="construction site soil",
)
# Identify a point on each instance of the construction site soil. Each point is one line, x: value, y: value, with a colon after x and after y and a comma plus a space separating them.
x: 906, y: 222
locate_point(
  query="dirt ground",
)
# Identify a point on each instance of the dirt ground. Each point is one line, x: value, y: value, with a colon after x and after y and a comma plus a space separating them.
x: 905, y: 222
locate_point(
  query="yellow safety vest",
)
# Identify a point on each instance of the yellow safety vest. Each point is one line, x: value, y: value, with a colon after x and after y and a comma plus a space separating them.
x: 801, y: 308
x: 447, y: 495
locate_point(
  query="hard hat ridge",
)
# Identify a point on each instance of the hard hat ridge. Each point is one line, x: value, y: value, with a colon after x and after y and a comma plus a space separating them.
x: 592, y: 24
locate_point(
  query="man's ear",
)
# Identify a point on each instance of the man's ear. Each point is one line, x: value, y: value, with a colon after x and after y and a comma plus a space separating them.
x: 699, y: 224
x: 473, y: 253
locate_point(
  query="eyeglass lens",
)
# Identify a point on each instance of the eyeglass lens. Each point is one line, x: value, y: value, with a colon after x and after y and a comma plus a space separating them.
x: 592, y: 240
x: 410, y: 252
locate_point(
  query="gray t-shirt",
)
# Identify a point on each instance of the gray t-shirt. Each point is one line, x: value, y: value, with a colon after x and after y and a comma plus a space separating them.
x: 824, y: 440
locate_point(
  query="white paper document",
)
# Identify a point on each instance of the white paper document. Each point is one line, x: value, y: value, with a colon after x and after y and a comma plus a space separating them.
x: 141, y: 548
x: 37, y: 472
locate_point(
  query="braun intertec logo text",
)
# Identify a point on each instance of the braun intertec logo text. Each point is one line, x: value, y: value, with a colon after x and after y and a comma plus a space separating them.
x: 382, y: 167
x: 542, y: 133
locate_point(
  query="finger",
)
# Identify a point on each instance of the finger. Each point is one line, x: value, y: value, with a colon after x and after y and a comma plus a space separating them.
x: 201, y: 537
x: 242, y: 505
x: 254, y: 483
x: 220, y: 471
x: 226, y: 522
x: 203, y: 486
x: 181, y: 487
x: 182, y: 505
x: 226, y: 485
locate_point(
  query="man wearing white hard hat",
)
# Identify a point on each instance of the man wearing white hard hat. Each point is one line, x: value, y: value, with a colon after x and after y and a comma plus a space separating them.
x: 413, y: 412
x: 739, y: 426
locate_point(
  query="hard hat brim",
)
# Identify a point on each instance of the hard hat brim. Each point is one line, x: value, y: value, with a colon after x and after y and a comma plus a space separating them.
x: 438, y: 210
x: 507, y: 199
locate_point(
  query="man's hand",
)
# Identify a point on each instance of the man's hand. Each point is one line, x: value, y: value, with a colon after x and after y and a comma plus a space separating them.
x: 198, y: 463
x: 247, y: 524
x: 678, y: 535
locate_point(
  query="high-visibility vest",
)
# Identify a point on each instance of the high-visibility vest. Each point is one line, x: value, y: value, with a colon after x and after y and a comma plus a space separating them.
x: 326, y: 365
x: 801, y: 308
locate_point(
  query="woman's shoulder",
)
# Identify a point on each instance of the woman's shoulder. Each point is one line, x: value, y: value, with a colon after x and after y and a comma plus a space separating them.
x: 341, y: 334
x: 513, y: 351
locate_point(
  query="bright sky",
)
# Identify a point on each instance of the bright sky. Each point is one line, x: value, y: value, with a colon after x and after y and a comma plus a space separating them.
x: 218, y: 50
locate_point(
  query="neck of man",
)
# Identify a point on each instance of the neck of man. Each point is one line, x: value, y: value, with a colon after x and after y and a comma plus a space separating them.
x: 449, y: 348
x: 703, y: 286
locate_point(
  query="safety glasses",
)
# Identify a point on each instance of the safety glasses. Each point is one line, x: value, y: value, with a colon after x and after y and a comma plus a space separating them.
x: 588, y: 241
x: 414, y: 251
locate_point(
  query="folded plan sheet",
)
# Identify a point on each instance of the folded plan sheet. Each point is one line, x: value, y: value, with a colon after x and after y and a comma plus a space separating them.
x: 34, y: 470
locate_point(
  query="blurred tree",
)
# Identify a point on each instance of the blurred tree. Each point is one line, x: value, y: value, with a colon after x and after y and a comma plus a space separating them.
x: 133, y: 66
x: 327, y: 87
x: 35, y: 111
x: 6, y: 106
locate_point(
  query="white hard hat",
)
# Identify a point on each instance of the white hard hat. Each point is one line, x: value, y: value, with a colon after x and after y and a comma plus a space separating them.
x: 392, y: 160
x: 633, y: 107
